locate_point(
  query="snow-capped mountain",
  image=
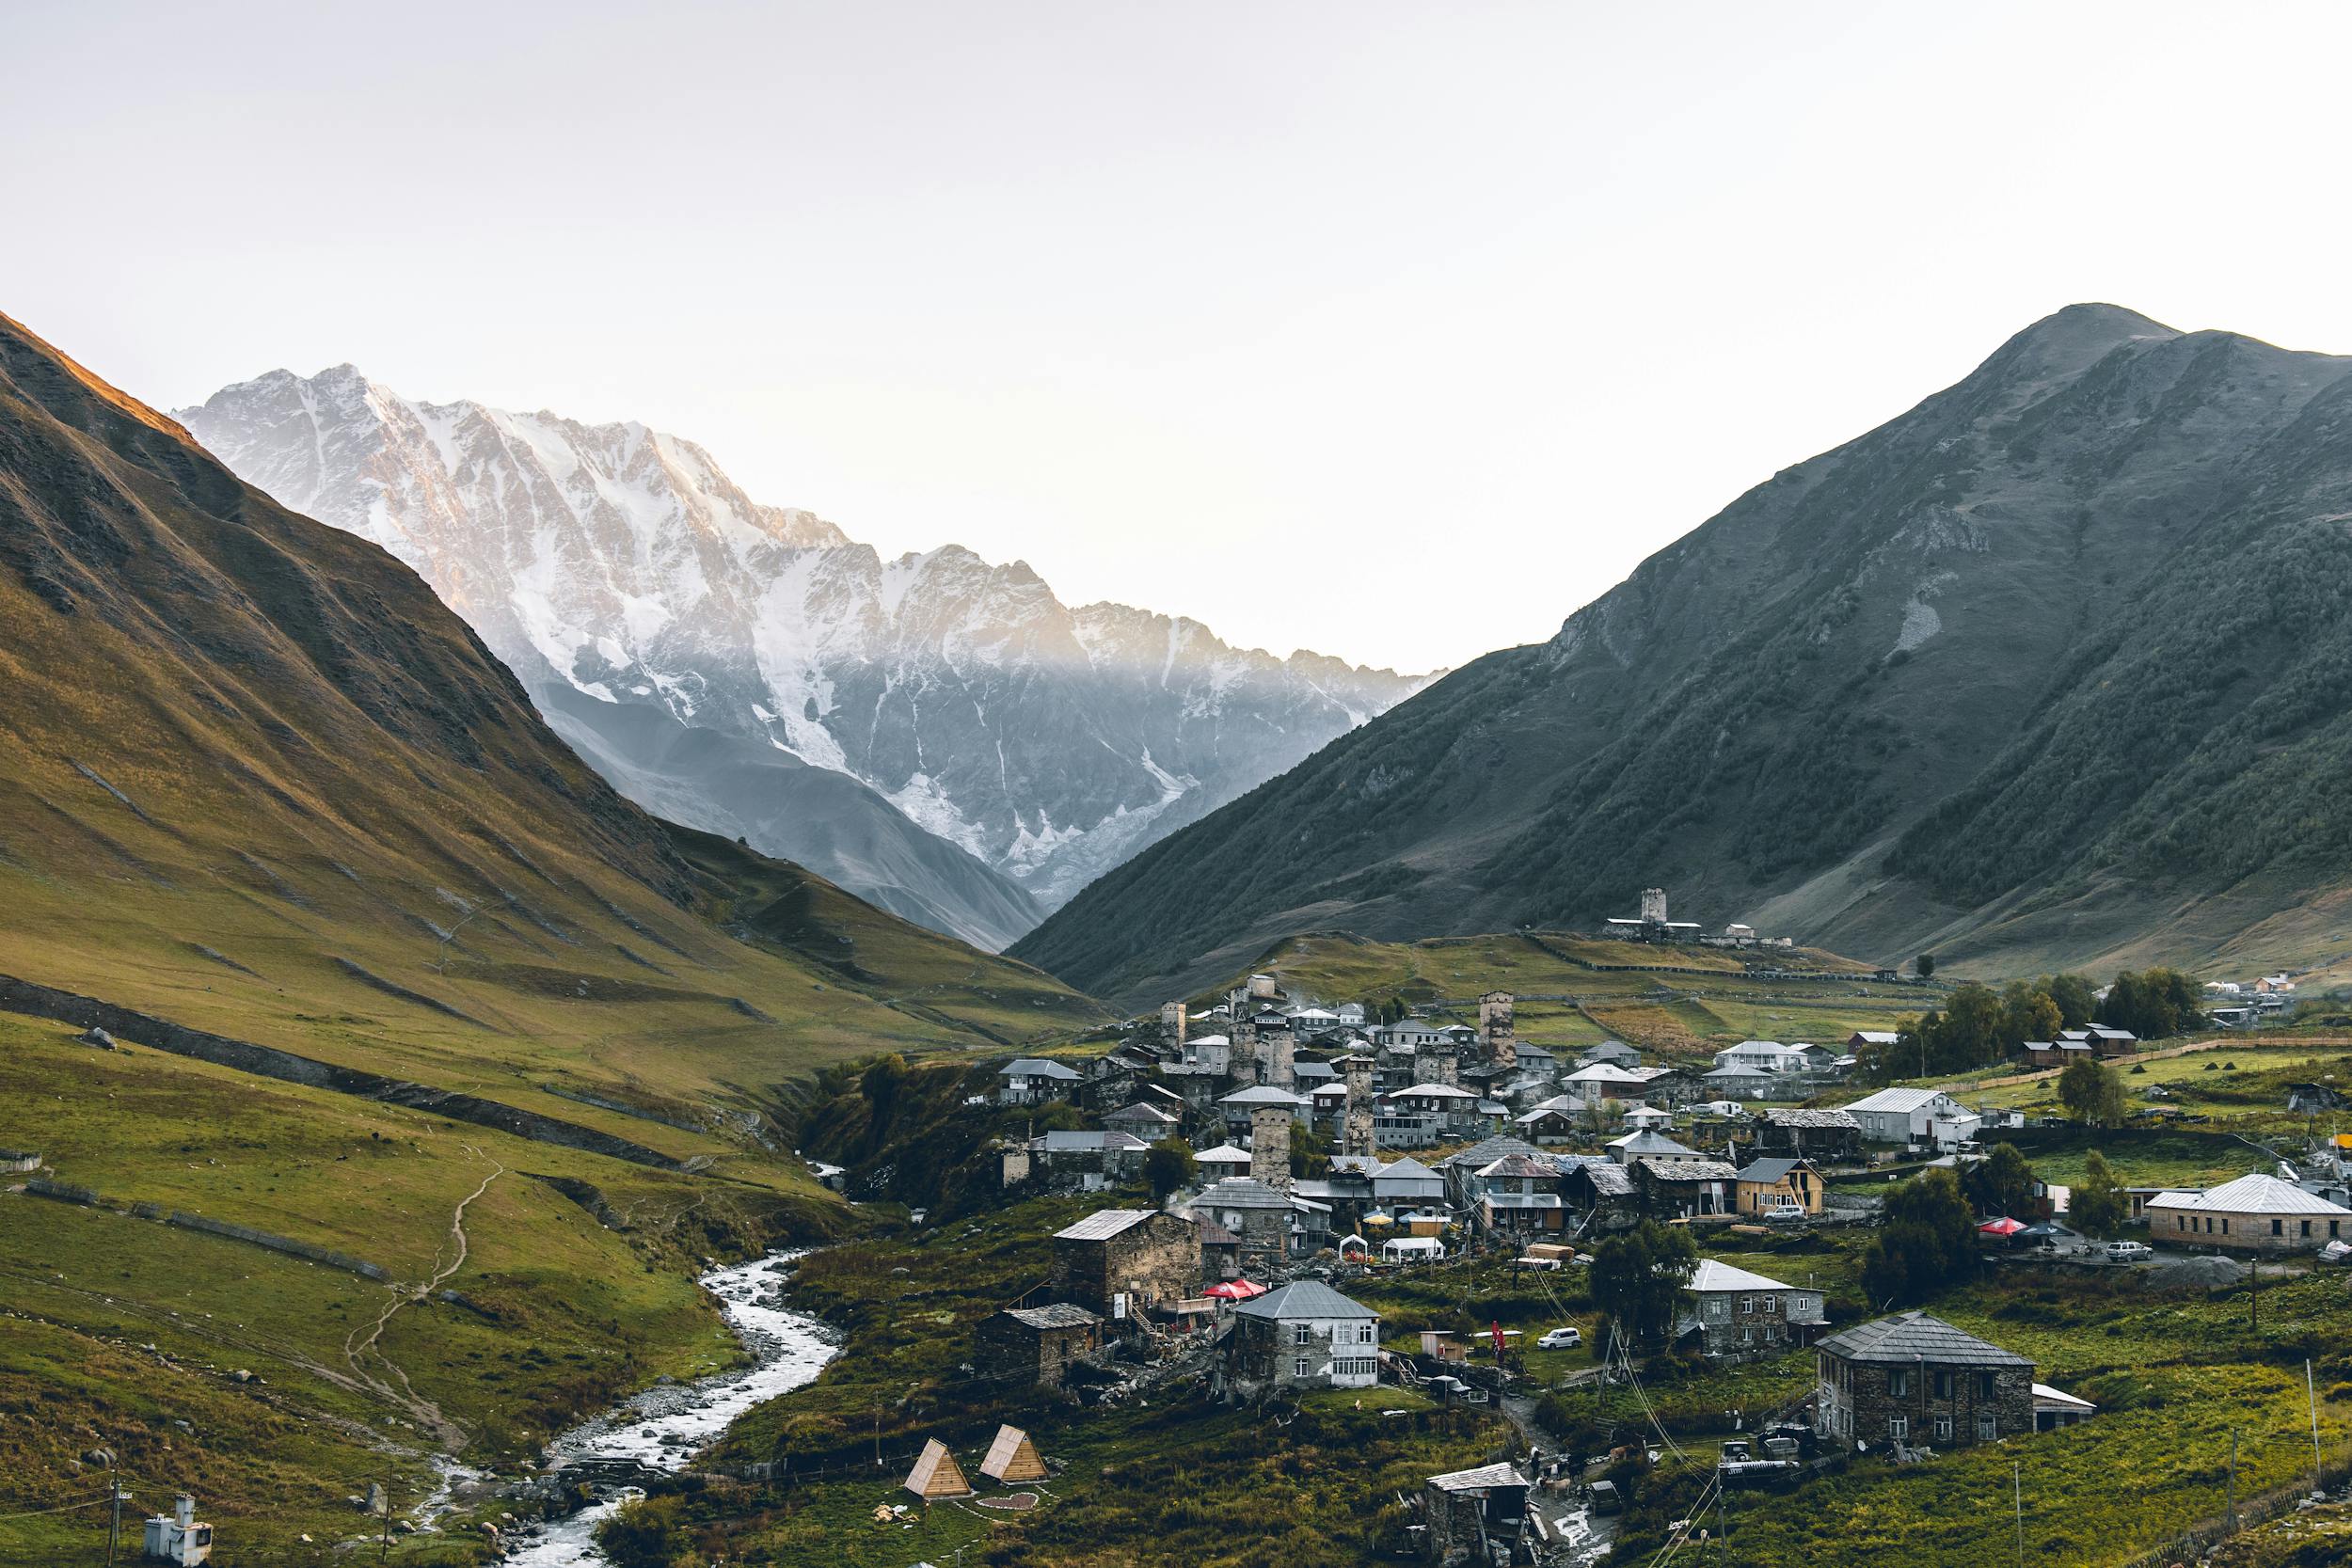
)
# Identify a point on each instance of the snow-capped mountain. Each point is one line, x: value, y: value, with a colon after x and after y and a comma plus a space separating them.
x: 1049, y: 743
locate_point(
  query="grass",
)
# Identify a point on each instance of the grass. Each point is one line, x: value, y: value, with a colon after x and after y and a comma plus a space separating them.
x: 121, y: 1326
x: 1179, y: 1479
x: 1680, y: 1002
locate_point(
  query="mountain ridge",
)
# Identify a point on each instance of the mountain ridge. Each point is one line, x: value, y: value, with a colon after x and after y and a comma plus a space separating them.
x: 1044, y: 741
x: 1766, y: 705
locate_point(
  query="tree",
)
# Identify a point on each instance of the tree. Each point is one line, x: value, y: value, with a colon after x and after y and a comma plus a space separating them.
x: 1929, y: 1242
x: 879, y: 1084
x: 2098, y: 1205
x: 2000, y: 1183
x: 2093, y: 1093
x: 1638, y: 1276
x: 1925, y: 964
x: 2152, y: 1004
x: 1168, y: 1164
x: 1971, y: 1036
x: 2028, y: 1012
x: 2076, y: 1004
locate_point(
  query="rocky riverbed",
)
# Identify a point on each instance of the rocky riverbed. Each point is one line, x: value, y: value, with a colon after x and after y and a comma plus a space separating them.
x: 663, y: 1428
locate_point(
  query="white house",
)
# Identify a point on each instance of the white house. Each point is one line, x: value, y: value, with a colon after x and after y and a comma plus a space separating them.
x: 1913, y: 1116
x: 178, y: 1536
x: 1766, y: 1056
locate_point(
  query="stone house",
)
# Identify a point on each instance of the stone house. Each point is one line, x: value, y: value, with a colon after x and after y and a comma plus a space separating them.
x: 1033, y: 1080
x: 1481, y: 1514
x: 1252, y: 1210
x: 1519, y: 1195
x: 2254, y: 1213
x: 1668, y: 1188
x: 1086, y: 1161
x: 1144, y: 1120
x: 1140, y: 1257
x: 1036, y: 1344
x: 1738, y: 1313
x: 1305, y: 1335
x: 1916, y: 1379
x: 1824, y: 1136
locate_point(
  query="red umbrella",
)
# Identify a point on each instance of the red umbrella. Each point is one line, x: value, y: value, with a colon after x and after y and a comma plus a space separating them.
x: 1235, y: 1290
x: 2003, y: 1228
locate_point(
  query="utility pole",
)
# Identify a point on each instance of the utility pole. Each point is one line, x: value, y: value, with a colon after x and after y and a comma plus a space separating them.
x: 2254, y: 1290
x: 2230, y: 1508
x: 2309, y: 1394
x: 2017, y: 1497
x: 384, y: 1543
x: 114, y: 1524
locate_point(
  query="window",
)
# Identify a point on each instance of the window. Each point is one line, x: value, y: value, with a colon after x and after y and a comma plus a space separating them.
x: 1716, y: 1307
x: 2277, y: 1227
x: 1299, y: 1368
x: 1987, y: 1427
x: 1943, y: 1429
x: 1302, y: 1333
x: 1943, y: 1385
x: 1765, y: 1303
x: 2225, y: 1225
x: 1984, y: 1386
x: 1747, y: 1305
x: 1899, y: 1384
x: 1746, y: 1334
x: 2307, y: 1227
x: 1367, y: 1334
x: 1898, y: 1427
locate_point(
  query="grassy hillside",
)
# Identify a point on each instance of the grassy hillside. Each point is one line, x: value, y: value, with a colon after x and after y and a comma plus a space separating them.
x: 261, y: 783
x: 1575, y: 991
x: 2044, y: 672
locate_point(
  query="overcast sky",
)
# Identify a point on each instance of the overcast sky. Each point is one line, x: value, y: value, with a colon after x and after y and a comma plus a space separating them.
x: 1396, y: 331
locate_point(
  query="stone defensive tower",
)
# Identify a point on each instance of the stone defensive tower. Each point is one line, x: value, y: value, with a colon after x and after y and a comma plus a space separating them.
x: 1355, y: 1128
x: 1495, y: 1032
x: 1654, y: 906
x: 1173, y: 1019
x: 1270, y: 1145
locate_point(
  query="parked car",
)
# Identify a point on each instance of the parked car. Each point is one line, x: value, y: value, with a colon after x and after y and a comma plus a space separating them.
x: 2129, y: 1252
x: 1561, y: 1338
x: 1781, y: 1213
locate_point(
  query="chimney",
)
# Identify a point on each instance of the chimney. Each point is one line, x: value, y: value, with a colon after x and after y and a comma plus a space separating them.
x: 1270, y: 1145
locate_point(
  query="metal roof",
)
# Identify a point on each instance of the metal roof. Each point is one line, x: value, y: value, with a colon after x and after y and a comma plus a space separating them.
x: 1240, y: 1192
x: 1768, y: 1170
x: 1485, y: 1476
x: 1034, y: 1066
x: 1712, y: 1276
x: 1896, y: 1100
x: 2256, y: 1193
x: 1101, y: 1224
x: 1304, y: 1298
x: 1264, y: 1094
x: 1910, y: 1338
x: 1065, y: 1142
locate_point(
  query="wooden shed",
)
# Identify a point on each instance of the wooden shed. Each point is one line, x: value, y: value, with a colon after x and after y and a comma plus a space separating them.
x: 937, y: 1475
x: 1012, y: 1458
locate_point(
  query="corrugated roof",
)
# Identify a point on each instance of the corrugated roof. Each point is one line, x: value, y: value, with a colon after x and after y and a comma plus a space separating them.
x: 1895, y: 1099
x: 1712, y: 1276
x: 2257, y: 1193
x: 1034, y: 1066
x: 1264, y: 1094
x: 1240, y: 1192
x: 1914, y: 1336
x: 1304, y: 1298
x: 1480, y: 1480
x: 1101, y: 1224
x: 1061, y: 1142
